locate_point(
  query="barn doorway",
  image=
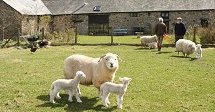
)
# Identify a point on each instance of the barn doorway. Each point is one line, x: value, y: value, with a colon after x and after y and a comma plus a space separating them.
x: 165, y: 16
x: 98, y: 24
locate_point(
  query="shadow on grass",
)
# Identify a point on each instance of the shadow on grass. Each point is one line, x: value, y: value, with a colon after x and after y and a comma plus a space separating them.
x: 142, y: 48
x: 179, y: 56
x: 163, y: 52
x: 87, y: 104
x: 191, y: 59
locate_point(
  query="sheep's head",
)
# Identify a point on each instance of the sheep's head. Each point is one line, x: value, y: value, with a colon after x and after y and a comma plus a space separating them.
x: 192, y: 47
x: 125, y: 80
x: 80, y: 74
x: 110, y: 60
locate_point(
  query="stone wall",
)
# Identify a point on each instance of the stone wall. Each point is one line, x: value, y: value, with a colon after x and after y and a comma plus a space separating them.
x: 33, y: 24
x: 148, y: 20
x: 61, y: 23
x: 83, y: 26
x: 10, y: 21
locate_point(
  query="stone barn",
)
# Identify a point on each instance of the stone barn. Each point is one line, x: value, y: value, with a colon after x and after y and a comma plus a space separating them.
x: 98, y: 16
x: 22, y: 17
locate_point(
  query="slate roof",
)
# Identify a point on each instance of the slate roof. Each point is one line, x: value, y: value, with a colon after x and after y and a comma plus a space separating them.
x: 108, y: 6
x: 29, y: 7
x: 58, y: 7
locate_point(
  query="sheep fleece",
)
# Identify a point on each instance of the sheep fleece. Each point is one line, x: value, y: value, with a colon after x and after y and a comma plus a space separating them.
x: 96, y: 72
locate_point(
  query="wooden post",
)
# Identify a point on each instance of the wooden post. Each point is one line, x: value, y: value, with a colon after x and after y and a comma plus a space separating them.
x: 194, y: 33
x: 18, y: 36
x: 76, y: 34
x: 111, y: 36
x: 43, y: 32
x: 111, y: 39
x: 3, y: 33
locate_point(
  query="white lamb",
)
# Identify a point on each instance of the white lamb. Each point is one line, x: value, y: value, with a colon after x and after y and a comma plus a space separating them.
x: 148, y: 39
x: 71, y: 84
x: 187, y: 47
x: 119, y: 89
x: 97, y: 70
x: 198, y: 51
x: 152, y: 45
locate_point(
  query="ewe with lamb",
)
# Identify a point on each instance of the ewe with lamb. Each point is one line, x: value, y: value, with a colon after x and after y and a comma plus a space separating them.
x: 148, y: 41
x: 187, y: 47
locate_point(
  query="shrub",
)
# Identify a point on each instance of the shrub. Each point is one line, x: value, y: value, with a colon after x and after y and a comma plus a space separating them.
x: 207, y: 35
x: 61, y: 37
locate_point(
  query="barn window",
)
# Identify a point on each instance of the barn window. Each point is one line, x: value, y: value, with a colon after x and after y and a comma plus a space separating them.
x: 27, y: 19
x: 97, y: 8
x: 204, y: 22
x: 165, y: 15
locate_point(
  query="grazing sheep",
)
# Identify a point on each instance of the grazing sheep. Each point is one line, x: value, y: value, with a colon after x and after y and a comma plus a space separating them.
x: 152, y: 45
x: 198, y: 51
x: 97, y: 70
x: 187, y: 47
x: 148, y: 39
x: 71, y: 84
x: 119, y: 89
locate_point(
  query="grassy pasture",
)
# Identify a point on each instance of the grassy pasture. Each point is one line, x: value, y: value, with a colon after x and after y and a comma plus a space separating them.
x: 162, y: 81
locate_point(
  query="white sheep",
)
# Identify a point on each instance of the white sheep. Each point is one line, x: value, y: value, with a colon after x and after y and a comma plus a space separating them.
x: 119, y: 89
x: 152, y: 45
x: 147, y: 39
x: 198, y: 51
x: 71, y: 84
x: 97, y: 70
x: 187, y: 47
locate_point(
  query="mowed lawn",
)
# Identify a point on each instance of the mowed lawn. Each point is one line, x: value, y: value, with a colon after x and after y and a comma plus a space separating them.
x: 162, y: 81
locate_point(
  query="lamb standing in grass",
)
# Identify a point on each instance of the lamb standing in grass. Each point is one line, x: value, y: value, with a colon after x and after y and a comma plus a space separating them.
x: 152, y: 45
x: 119, y: 89
x: 71, y: 84
x: 187, y: 47
x: 198, y: 51
x: 148, y: 39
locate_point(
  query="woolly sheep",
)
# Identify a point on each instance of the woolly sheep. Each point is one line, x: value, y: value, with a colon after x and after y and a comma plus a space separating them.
x: 148, y: 39
x: 71, y: 84
x: 97, y: 70
x: 198, y: 51
x: 152, y: 45
x: 187, y: 47
x: 119, y: 89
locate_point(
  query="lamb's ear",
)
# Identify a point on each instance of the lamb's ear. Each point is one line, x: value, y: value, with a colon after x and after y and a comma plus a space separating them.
x: 130, y: 79
x: 101, y: 57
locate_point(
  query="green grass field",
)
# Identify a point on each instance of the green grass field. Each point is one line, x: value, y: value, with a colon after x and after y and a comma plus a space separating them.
x: 162, y: 81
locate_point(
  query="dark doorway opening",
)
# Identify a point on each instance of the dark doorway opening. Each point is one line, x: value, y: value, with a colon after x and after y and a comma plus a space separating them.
x: 98, y: 24
x: 165, y: 16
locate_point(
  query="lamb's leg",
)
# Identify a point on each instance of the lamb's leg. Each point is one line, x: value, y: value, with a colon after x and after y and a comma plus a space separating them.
x: 71, y: 93
x: 104, y: 99
x: 58, y: 95
x: 78, y: 90
x: 53, y: 94
x: 108, y: 102
x: 77, y: 97
x: 120, y: 101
